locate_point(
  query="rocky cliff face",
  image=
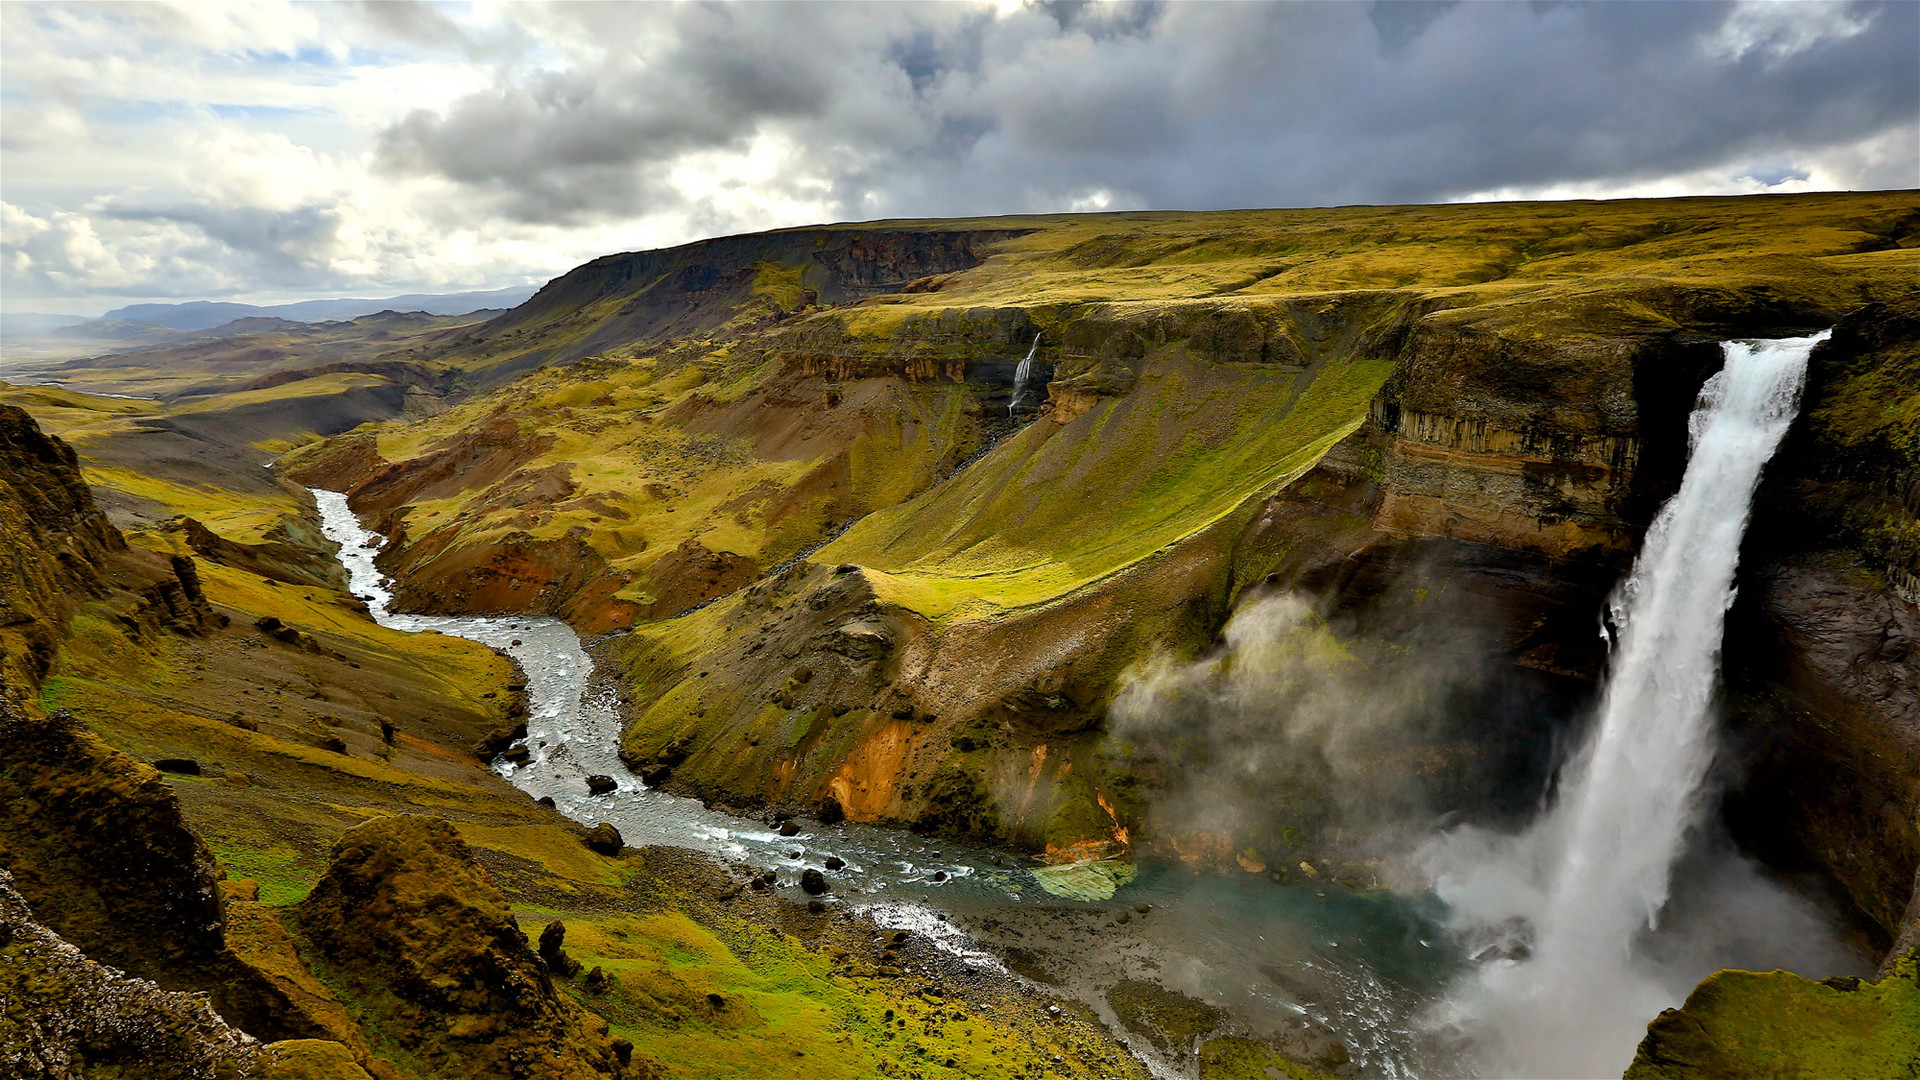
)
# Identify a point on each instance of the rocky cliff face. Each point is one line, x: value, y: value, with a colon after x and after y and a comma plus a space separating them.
x: 853, y: 581
x: 407, y: 918
x: 53, y: 547
x: 1823, y: 649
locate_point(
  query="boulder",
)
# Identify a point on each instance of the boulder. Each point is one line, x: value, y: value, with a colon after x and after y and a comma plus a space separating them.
x: 599, y: 784
x: 556, y: 958
x: 605, y: 839
x: 813, y: 881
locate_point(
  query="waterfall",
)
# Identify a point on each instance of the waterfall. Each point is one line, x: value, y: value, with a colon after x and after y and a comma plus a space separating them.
x: 1021, y: 374
x: 1593, y: 874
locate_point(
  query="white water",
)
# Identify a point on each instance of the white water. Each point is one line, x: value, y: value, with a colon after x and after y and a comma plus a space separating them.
x: 1021, y: 374
x: 1217, y: 936
x: 1591, y: 877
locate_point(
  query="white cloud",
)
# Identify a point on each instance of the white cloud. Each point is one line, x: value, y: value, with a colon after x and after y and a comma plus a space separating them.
x: 274, y: 151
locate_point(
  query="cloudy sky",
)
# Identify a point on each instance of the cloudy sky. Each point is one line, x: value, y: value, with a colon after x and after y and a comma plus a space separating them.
x: 285, y: 151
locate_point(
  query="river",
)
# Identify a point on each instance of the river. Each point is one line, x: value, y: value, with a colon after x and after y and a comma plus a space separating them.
x: 1306, y: 965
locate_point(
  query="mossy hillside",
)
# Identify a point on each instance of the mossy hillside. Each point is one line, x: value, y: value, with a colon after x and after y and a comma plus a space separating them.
x: 640, y: 460
x: 709, y: 980
x: 1243, y: 1059
x: 1777, y: 1024
x: 94, y: 425
x: 289, y: 739
x: 728, y: 999
x: 220, y: 361
x: 1039, y: 517
x: 436, y: 969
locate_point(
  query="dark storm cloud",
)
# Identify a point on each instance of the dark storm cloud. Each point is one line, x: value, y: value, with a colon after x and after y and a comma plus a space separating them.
x: 918, y: 109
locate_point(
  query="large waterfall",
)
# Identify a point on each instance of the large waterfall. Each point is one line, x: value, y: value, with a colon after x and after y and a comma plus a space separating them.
x: 1593, y: 874
x: 1021, y: 374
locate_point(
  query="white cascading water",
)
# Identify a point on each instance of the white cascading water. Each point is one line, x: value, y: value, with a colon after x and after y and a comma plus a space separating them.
x: 1021, y: 374
x: 1594, y: 872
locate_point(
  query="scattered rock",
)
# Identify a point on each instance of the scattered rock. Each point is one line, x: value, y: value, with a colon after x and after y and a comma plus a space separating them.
x: 181, y: 765
x: 547, y: 801
x: 789, y: 829
x: 817, y: 907
x: 498, y: 740
x: 556, y: 958
x: 835, y: 862
x: 518, y: 753
x: 597, y: 982
x: 605, y: 839
x: 939, y: 875
x: 813, y: 881
x: 1143, y: 908
x: 599, y: 784
x: 1123, y: 916
x: 831, y: 812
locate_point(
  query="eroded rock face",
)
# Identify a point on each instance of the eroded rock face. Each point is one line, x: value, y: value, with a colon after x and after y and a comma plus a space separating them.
x: 1823, y: 646
x: 98, y: 846
x: 68, y: 1017
x: 53, y: 545
x: 407, y: 917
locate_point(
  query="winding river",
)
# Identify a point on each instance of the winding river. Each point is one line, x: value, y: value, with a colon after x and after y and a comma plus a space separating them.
x: 1310, y: 966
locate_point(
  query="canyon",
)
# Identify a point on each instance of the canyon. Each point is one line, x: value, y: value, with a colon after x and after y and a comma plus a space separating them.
x: 1250, y: 547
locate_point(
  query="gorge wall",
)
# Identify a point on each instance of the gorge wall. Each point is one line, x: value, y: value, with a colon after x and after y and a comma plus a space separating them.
x: 839, y: 577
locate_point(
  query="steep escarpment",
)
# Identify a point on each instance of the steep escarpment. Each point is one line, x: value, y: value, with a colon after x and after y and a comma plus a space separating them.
x: 1823, y: 650
x: 69, y: 1016
x: 55, y: 545
x: 1469, y: 410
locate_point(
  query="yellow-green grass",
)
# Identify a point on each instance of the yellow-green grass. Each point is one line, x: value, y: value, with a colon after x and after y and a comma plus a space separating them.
x: 1052, y: 510
x: 338, y: 382
x: 711, y: 487
x: 785, y: 1009
x: 1777, y: 1024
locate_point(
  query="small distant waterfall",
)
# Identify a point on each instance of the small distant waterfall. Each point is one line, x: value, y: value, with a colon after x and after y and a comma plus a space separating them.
x: 1595, y: 871
x: 1021, y: 374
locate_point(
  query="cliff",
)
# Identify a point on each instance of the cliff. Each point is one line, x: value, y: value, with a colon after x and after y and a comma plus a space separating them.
x: 845, y: 570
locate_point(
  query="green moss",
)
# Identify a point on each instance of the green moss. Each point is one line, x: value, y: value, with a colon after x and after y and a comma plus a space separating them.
x: 733, y: 1000
x: 1170, y: 1020
x: 1777, y: 1025
x: 285, y: 873
x: 1244, y: 1059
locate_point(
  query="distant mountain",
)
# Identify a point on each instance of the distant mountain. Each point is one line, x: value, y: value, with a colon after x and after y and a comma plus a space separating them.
x: 34, y: 323
x: 206, y: 314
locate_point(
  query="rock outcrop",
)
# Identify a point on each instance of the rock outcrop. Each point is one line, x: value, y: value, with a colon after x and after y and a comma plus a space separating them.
x: 68, y: 1017
x: 447, y: 983
x: 54, y: 543
x: 1752, y: 1024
